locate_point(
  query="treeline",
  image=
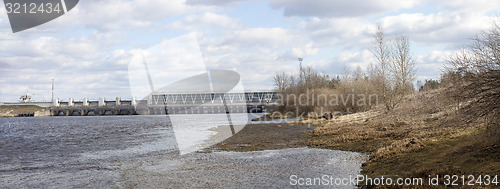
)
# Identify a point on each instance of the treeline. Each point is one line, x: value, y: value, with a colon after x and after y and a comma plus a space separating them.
x: 470, y: 84
x: 311, y: 91
x: 384, y: 83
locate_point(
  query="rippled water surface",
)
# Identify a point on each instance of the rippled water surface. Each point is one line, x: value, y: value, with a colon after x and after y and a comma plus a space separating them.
x: 81, y: 152
x: 54, y: 151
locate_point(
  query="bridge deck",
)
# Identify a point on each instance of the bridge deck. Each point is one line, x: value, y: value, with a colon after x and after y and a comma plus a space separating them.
x: 161, y: 104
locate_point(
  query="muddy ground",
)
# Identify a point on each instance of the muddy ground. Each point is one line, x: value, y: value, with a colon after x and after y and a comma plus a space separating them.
x: 267, y: 137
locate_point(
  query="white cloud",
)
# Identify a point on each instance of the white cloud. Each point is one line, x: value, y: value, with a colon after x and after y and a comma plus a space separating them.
x: 448, y: 28
x: 256, y: 53
x: 431, y: 65
x: 79, y: 65
x: 84, y: 50
x: 338, y: 31
x: 263, y: 37
x: 214, y: 2
x: 307, y: 50
x: 435, y: 56
x: 357, y: 58
x: 115, y: 15
x: 482, y: 6
x: 207, y: 21
x: 340, y: 8
x: 88, y: 50
x: 350, y: 59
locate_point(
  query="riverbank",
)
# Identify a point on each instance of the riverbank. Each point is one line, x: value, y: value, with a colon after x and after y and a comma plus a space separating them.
x: 419, y: 138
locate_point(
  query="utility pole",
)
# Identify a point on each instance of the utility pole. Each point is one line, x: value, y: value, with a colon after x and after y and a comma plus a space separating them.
x: 52, y: 90
x: 300, y: 71
x: 300, y: 64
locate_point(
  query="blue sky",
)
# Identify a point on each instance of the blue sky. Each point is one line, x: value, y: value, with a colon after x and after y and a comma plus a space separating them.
x: 88, y: 50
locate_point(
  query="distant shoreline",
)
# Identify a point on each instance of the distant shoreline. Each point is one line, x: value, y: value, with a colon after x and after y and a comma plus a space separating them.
x: 20, y: 110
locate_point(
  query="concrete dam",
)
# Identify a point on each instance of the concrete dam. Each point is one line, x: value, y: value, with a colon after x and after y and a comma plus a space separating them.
x: 165, y: 104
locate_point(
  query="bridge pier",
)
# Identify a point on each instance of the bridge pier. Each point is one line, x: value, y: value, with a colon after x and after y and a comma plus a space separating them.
x: 71, y: 102
x: 101, y: 102
x: 85, y: 102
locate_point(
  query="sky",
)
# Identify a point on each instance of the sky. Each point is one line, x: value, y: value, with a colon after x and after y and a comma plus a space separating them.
x: 88, y: 50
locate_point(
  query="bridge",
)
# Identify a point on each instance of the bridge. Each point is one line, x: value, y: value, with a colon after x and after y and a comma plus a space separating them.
x: 208, y: 103
x: 171, y: 103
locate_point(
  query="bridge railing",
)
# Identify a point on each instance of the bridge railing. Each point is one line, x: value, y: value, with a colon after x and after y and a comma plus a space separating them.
x: 213, y: 98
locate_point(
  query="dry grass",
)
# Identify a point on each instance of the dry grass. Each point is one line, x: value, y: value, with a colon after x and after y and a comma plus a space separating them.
x: 420, y: 137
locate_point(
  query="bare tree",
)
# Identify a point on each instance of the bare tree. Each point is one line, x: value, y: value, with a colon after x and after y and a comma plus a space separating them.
x: 395, y: 68
x: 358, y: 74
x: 382, y: 52
x: 281, y: 81
x: 402, y: 71
x: 371, y: 71
x: 402, y: 65
x: 346, y: 73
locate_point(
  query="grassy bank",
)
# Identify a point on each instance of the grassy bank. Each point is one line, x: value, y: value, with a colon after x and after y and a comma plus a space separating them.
x: 419, y: 138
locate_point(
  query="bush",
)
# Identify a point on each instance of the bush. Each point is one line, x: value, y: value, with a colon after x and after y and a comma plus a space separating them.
x: 475, y: 76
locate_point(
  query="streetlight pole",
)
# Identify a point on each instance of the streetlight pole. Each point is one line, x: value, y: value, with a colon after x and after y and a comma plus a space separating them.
x: 300, y: 64
x: 52, y: 90
x: 300, y: 71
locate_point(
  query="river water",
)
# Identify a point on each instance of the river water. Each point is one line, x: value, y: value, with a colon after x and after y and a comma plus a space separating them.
x: 147, y: 151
